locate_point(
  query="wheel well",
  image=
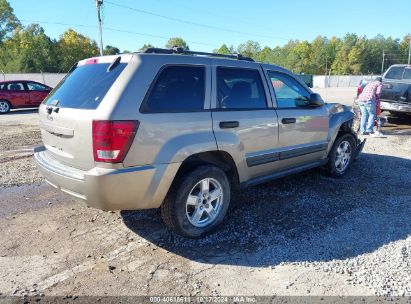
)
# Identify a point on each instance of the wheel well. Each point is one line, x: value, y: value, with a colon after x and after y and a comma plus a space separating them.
x: 346, y: 127
x: 220, y: 159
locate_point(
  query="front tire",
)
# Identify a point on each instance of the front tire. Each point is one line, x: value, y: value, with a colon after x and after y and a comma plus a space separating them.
x: 341, y: 155
x: 198, y: 202
x: 5, y: 106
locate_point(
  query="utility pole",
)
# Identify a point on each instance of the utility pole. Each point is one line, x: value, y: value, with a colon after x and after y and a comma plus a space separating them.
x: 409, y: 48
x: 99, y: 3
x: 382, y: 64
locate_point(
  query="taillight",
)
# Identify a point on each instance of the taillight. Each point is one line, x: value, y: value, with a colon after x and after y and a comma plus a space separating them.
x: 112, y: 139
x: 359, y: 89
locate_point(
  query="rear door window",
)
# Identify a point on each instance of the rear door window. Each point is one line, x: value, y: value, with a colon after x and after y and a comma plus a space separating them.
x: 176, y: 89
x: 407, y: 74
x: 36, y: 87
x: 395, y: 73
x: 15, y: 86
x: 239, y: 88
x: 85, y: 87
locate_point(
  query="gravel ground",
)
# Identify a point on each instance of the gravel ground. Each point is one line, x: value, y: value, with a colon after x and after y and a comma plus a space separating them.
x: 16, y: 149
x: 302, y: 235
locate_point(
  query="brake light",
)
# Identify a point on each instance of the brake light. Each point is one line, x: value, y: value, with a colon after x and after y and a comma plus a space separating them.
x: 92, y: 61
x: 112, y: 139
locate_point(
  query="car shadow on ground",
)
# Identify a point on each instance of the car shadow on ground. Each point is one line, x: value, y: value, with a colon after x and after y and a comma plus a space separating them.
x: 306, y: 217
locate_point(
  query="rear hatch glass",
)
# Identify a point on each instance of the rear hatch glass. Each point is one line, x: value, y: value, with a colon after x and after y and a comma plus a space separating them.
x: 67, y: 133
x: 85, y: 87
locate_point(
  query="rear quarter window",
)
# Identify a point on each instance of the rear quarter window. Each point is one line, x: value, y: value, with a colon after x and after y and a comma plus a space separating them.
x: 85, y: 87
x: 176, y: 89
x: 407, y: 74
x: 395, y: 73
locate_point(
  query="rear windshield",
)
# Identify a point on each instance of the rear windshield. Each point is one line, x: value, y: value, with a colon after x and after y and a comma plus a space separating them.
x: 85, y: 87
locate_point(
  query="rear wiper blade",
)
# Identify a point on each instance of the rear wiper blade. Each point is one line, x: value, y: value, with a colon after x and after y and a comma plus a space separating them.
x: 55, y: 102
x: 115, y: 63
x: 73, y: 68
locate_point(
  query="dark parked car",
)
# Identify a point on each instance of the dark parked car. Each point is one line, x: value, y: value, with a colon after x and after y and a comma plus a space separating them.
x: 396, y: 90
x: 18, y: 94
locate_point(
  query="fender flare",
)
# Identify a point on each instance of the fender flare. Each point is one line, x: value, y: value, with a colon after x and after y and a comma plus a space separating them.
x: 341, y: 120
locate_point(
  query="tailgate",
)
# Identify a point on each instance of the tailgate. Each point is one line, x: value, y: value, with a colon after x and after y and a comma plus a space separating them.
x: 67, y: 136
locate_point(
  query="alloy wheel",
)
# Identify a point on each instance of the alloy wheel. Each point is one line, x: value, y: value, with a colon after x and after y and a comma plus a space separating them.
x: 343, y: 156
x: 4, y: 107
x: 204, y: 202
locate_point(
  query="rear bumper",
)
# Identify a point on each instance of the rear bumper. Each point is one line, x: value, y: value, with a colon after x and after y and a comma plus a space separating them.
x: 131, y: 188
x: 395, y: 106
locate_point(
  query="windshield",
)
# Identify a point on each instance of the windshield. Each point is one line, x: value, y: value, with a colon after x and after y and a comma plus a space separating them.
x: 85, y: 87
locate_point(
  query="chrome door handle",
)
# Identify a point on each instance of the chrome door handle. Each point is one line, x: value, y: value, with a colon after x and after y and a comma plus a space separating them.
x: 229, y: 124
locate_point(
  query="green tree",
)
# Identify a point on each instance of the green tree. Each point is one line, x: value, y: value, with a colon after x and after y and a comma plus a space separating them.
x: 356, y: 57
x: 301, y: 58
x: 28, y: 50
x: 111, y: 50
x: 249, y: 49
x: 404, y: 47
x: 332, y: 48
x: 72, y: 47
x: 223, y: 50
x: 145, y: 47
x: 177, y: 42
x: 319, y: 56
x: 265, y: 55
x: 8, y: 21
x: 341, y: 64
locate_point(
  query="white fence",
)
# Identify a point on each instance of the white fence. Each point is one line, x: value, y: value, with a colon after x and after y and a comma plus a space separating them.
x: 319, y: 81
x: 336, y: 81
x: 50, y: 79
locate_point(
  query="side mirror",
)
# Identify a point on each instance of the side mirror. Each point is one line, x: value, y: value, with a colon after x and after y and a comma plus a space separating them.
x: 316, y: 100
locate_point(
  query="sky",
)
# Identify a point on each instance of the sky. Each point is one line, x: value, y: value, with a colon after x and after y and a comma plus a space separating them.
x: 206, y: 25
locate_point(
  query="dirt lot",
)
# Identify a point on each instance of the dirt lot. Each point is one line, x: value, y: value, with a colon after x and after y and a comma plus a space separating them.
x: 303, y: 235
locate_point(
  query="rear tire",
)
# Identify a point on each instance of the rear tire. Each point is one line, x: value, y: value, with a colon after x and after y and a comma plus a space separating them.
x: 198, y: 202
x: 5, y: 106
x: 341, y: 155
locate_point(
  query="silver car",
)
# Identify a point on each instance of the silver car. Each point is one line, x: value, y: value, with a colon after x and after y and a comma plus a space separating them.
x: 181, y: 130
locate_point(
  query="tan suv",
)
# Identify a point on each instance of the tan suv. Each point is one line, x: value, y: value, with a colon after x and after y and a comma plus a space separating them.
x: 181, y: 130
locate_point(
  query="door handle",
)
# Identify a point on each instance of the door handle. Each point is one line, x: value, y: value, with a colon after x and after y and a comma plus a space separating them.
x: 229, y: 124
x: 288, y: 120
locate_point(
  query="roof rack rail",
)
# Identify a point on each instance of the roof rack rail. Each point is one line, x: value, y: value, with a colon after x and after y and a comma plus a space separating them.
x: 179, y: 50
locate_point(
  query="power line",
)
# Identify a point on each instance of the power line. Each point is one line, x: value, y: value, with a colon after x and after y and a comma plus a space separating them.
x: 194, y: 23
x: 112, y: 29
x: 155, y: 36
x: 227, y: 17
x: 58, y: 23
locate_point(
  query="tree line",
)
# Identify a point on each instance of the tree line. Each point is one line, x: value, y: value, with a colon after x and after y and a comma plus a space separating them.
x: 28, y: 49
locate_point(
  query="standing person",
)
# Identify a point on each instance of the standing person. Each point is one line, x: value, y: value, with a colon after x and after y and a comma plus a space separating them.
x: 367, y: 102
